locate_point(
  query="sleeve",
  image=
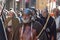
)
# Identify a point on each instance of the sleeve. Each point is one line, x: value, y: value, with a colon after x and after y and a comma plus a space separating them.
x: 53, y: 30
x: 38, y: 27
x: 57, y: 22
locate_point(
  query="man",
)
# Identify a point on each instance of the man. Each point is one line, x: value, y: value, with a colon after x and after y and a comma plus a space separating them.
x: 11, y: 22
x: 57, y: 19
x: 28, y: 29
x: 51, y: 25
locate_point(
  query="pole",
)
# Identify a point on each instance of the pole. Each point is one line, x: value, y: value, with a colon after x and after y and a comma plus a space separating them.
x: 48, y: 5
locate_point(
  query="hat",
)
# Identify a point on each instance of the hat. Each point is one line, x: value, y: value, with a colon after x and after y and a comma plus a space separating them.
x: 27, y: 11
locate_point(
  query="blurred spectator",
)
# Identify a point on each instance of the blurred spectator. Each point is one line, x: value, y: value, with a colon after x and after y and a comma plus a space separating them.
x: 11, y: 22
x: 51, y: 25
x: 28, y: 29
x: 57, y: 19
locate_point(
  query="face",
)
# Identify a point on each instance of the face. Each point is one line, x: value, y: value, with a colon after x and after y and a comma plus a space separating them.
x: 11, y: 14
x: 44, y: 14
x: 56, y: 12
x: 26, y: 18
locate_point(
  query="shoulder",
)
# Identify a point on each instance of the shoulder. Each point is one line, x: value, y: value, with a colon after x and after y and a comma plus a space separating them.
x: 37, y: 23
x: 37, y: 26
x: 51, y: 19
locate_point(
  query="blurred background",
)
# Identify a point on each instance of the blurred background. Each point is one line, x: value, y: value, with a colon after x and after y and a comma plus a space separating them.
x: 38, y: 4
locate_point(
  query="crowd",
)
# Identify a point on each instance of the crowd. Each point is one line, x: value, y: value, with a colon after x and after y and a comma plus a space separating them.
x: 30, y: 24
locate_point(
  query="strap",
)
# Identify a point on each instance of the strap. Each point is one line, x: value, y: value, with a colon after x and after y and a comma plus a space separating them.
x: 43, y: 27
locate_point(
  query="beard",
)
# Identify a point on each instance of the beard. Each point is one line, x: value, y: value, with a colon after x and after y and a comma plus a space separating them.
x: 26, y: 20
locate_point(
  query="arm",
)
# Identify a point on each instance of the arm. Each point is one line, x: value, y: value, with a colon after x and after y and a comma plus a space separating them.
x: 53, y: 34
x: 58, y: 25
x: 58, y: 29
